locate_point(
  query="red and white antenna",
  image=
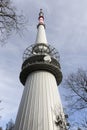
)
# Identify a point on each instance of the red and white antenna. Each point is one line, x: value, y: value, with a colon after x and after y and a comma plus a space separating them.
x: 41, y: 17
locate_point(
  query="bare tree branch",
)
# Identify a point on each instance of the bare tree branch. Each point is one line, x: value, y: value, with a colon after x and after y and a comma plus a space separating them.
x: 9, y: 20
x: 76, y: 86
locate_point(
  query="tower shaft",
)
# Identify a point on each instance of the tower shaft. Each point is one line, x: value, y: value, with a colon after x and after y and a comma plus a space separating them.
x: 39, y: 103
x: 41, y: 36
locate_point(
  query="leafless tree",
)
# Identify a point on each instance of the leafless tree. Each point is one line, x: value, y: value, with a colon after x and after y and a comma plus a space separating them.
x: 10, y: 125
x: 9, y: 19
x: 84, y: 123
x: 79, y: 129
x: 77, y: 84
x: 76, y: 87
x: 0, y: 128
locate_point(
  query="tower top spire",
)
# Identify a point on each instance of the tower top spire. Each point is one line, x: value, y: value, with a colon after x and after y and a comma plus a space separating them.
x: 41, y: 35
x: 41, y: 17
x: 41, y: 14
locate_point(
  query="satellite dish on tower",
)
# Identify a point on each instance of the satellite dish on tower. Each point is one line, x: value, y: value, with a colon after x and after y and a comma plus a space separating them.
x: 47, y: 58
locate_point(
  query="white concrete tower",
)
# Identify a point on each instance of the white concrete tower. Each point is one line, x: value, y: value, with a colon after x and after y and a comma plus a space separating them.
x: 40, y: 107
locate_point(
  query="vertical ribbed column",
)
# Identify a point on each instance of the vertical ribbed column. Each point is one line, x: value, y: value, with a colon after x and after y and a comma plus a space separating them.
x: 41, y: 35
x: 39, y: 102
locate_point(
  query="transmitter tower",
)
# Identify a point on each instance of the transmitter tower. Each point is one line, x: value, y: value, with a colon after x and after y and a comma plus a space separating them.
x: 40, y: 107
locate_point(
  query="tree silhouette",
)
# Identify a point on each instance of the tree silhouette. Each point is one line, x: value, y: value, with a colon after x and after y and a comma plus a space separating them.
x: 76, y: 97
x: 0, y: 128
x: 77, y: 84
x: 10, y: 125
x: 9, y: 20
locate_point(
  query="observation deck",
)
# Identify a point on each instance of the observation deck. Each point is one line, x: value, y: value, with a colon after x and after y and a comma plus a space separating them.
x: 41, y: 57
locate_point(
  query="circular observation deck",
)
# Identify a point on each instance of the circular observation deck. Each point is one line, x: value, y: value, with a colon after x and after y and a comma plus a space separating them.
x: 41, y: 57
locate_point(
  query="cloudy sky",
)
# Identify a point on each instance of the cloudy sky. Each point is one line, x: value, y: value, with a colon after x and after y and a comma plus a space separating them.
x: 66, y: 29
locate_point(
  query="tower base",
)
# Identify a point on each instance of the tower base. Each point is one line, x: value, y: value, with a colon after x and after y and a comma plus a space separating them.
x: 40, y: 103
